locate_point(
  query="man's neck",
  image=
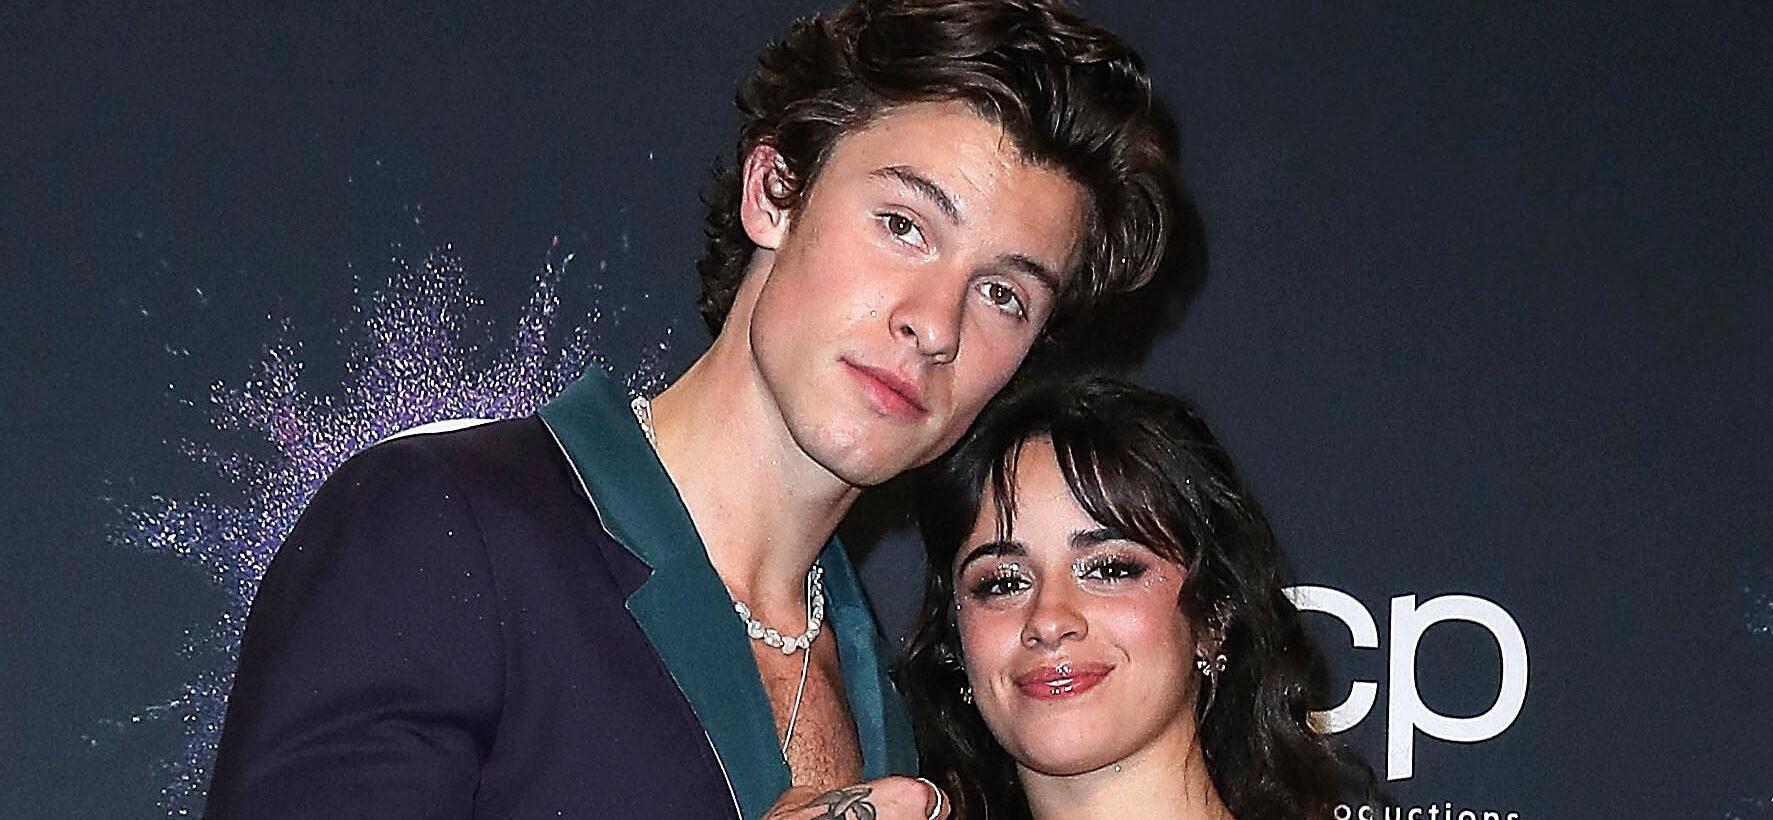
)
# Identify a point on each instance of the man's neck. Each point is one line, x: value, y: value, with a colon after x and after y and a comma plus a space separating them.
x: 763, y: 508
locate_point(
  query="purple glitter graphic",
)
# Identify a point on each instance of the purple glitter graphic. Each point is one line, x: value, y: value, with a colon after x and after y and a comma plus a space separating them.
x: 411, y: 366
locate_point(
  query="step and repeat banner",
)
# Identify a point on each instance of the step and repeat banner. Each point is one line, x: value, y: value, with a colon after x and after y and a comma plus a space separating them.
x: 1488, y: 326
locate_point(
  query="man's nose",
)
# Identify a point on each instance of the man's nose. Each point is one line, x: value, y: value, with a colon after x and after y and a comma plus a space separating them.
x: 929, y: 314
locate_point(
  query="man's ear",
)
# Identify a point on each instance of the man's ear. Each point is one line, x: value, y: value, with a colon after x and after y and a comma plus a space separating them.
x: 763, y: 184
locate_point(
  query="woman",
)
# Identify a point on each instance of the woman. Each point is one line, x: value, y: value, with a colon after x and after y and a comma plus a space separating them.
x: 1104, y: 632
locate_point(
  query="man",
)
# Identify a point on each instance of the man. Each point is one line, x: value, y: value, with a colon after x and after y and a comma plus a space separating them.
x: 626, y: 608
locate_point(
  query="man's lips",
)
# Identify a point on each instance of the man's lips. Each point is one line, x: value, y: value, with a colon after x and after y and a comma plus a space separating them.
x: 889, y: 392
x: 1061, y: 681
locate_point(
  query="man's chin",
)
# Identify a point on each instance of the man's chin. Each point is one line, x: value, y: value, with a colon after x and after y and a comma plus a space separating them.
x: 870, y: 463
x: 863, y: 475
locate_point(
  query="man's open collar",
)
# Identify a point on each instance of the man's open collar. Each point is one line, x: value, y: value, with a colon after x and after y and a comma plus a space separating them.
x: 687, y: 614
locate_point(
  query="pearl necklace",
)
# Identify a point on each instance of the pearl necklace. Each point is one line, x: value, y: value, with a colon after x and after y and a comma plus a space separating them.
x: 815, y: 600
x: 815, y: 575
x: 815, y: 617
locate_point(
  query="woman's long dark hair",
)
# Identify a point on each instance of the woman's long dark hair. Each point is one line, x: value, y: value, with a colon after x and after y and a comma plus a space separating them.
x: 1144, y: 464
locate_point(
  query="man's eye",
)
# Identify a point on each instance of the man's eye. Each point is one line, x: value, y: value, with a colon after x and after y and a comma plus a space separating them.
x: 1003, y: 297
x: 902, y: 228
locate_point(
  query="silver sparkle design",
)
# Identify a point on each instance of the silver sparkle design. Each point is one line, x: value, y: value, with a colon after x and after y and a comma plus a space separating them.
x: 410, y: 364
x: 1760, y: 604
x: 1750, y: 808
x: 1759, y: 592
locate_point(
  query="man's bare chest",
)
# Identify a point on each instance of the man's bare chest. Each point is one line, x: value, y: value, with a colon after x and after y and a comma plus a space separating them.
x: 823, y: 751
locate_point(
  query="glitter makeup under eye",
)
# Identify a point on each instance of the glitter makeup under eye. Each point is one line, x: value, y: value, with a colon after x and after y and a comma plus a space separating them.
x: 1006, y: 578
x: 1108, y: 568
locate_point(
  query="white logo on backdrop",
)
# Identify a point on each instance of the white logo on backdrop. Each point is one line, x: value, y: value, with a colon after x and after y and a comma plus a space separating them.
x: 1406, y: 713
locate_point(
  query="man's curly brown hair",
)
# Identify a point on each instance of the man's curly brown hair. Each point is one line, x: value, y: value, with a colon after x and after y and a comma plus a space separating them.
x: 1069, y: 94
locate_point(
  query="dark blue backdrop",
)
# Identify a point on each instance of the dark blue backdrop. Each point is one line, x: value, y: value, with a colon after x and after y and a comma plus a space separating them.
x: 1488, y: 316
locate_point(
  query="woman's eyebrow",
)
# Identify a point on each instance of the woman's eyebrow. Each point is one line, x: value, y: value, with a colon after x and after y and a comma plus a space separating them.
x: 1085, y: 539
x: 991, y: 549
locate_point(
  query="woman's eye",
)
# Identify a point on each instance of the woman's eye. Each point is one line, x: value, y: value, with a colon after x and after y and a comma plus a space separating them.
x: 1003, y: 297
x: 999, y: 584
x: 992, y: 587
x: 1111, y: 569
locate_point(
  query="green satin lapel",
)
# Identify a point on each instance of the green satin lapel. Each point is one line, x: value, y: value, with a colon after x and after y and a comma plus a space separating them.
x: 687, y: 615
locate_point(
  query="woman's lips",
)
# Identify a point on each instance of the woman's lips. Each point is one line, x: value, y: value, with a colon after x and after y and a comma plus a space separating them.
x: 1061, y: 681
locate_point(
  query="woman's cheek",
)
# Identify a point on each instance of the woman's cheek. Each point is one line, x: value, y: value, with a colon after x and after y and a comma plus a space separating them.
x: 1146, y: 617
x: 982, y: 640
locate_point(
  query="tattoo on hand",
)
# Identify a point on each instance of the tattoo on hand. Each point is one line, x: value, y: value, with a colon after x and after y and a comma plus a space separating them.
x: 845, y: 804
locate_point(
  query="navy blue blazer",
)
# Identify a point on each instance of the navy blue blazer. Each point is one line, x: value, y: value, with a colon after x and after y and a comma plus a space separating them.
x: 511, y: 621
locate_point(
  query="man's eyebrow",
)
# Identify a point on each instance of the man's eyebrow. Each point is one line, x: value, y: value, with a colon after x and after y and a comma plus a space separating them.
x: 991, y: 549
x: 1028, y: 267
x: 924, y: 187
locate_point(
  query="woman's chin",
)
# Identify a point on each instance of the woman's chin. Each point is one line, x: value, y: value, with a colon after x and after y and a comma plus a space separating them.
x: 1068, y: 756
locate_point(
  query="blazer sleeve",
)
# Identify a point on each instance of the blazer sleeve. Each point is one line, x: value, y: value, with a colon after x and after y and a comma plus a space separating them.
x: 370, y: 671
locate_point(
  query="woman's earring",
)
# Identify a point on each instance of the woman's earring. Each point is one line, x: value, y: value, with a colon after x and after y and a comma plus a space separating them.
x: 945, y: 656
x: 950, y: 660
x: 1210, y: 676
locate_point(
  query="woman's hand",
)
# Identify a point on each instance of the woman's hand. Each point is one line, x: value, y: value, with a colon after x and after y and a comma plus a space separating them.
x: 889, y: 798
